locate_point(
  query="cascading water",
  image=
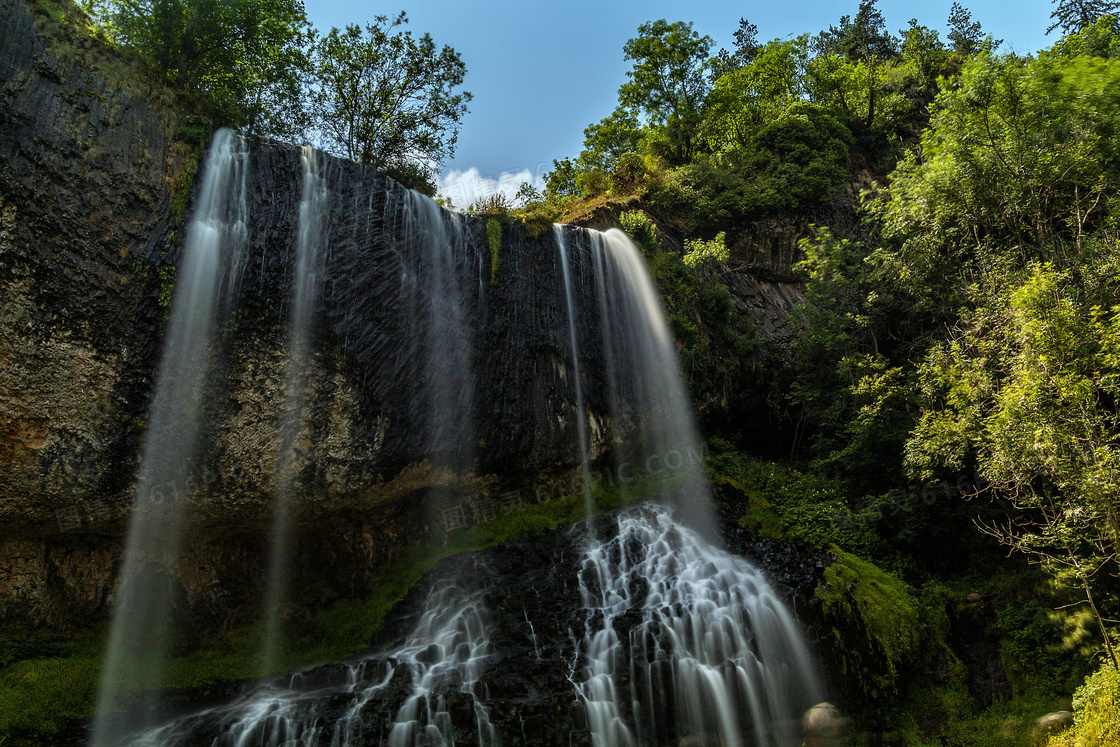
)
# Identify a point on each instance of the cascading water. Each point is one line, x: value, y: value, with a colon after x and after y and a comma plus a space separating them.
x: 647, y: 395
x: 444, y: 653
x: 670, y: 637
x: 716, y: 655
x: 577, y: 382
x: 305, y: 290
x: 140, y: 636
x: 440, y: 297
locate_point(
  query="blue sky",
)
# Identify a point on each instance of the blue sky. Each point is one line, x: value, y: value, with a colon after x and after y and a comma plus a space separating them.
x: 542, y: 71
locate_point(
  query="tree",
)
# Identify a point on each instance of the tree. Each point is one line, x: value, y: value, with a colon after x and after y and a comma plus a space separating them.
x: 606, y: 141
x: 667, y: 85
x: 1026, y: 386
x: 863, y: 41
x: 757, y: 93
x: 922, y: 46
x: 964, y: 33
x: 1017, y: 156
x: 244, y: 61
x: 1073, y: 15
x: 746, y: 48
x: 387, y: 100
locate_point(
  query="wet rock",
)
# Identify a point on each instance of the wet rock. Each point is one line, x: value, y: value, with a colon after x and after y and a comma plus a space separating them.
x: 1051, y: 724
x: 822, y: 725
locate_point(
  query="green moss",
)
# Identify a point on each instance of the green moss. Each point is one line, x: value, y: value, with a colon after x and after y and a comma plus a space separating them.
x: 166, y: 286
x: 494, y: 239
x: 857, y: 594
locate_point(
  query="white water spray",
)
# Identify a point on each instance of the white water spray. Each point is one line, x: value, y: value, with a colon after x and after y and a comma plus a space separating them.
x: 305, y: 291
x: 140, y: 638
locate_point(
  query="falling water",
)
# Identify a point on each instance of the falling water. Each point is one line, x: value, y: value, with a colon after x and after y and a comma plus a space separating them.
x: 305, y: 290
x: 573, y: 341
x: 647, y: 395
x: 716, y: 655
x: 449, y: 646
x: 140, y: 638
x: 444, y: 653
x: 441, y: 299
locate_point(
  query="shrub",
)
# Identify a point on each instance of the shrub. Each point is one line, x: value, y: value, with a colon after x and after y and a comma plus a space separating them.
x: 641, y: 230
x: 1096, y: 712
x: 700, y: 254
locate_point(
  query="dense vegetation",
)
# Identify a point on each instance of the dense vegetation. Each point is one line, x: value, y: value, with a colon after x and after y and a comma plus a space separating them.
x: 951, y: 386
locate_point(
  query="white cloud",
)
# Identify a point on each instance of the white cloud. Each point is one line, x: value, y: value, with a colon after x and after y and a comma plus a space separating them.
x: 465, y: 187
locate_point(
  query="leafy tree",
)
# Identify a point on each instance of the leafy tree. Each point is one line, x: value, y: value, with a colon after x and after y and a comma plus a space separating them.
x: 1019, y: 157
x: 1101, y: 39
x: 384, y: 98
x: 562, y: 183
x: 759, y: 92
x: 965, y: 34
x: 866, y: 40
x: 1073, y: 15
x: 922, y: 47
x: 1026, y: 386
x: 667, y: 85
x: 606, y: 141
x: 245, y: 61
x: 746, y: 49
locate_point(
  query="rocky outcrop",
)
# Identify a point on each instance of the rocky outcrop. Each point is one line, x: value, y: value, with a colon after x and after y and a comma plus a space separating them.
x: 89, y: 241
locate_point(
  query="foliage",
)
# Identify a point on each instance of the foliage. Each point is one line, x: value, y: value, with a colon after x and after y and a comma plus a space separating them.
x: 1100, y: 39
x: 668, y: 83
x: 245, y: 61
x: 1019, y: 154
x: 700, y: 254
x: 386, y: 99
x: 755, y: 93
x: 966, y: 35
x: 746, y: 49
x: 641, y: 230
x: 1096, y: 712
x: 1073, y: 15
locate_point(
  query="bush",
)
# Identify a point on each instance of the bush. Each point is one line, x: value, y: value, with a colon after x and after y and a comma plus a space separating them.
x: 641, y: 230
x: 706, y: 254
x: 1096, y: 712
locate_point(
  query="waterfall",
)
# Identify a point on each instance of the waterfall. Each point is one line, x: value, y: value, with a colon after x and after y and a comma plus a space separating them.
x: 671, y: 637
x: 716, y: 655
x: 305, y: 290
x: 577, y: 382
x: 648, y: 397
x: 440, y: 298
x: 140, y: 635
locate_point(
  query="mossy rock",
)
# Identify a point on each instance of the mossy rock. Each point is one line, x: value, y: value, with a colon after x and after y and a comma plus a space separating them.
x: 875, y: 620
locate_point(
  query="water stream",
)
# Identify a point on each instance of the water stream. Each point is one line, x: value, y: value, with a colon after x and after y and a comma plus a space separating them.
x: 305, y: 291
x: 142, y: 624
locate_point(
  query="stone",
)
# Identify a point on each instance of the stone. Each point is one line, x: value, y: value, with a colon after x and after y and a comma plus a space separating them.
x: 1051, y: 724
x: 823, y: 725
